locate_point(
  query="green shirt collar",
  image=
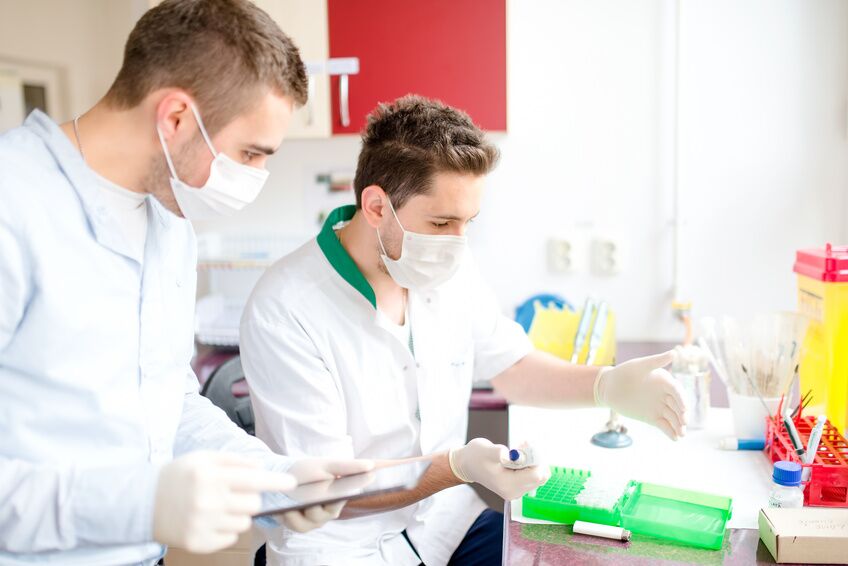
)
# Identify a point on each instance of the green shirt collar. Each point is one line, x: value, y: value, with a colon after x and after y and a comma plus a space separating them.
x: 338, y: 256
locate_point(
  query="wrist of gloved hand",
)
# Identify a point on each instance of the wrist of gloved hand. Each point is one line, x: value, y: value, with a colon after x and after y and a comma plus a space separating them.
x: 598, y: 389
x: 455, y: 467
x: 481, y: 461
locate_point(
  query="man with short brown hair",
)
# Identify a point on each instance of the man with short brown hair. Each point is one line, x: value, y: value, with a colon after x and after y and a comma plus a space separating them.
x: 107, y: 451
x: 365, y: 342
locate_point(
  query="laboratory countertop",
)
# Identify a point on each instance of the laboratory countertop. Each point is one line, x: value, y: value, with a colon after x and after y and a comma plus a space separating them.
x: 549, y: 545
x: 694, y: 462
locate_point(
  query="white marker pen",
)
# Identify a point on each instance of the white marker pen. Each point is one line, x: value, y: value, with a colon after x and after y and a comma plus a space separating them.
x: 605, y: 531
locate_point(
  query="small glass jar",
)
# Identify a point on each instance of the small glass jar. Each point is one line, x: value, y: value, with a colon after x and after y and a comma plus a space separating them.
x: 786, y: 491
x: 691, y: 370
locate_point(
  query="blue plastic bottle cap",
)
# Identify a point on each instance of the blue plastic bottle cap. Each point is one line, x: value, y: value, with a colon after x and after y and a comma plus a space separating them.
x: 787, y: 473
x: 514, y: 455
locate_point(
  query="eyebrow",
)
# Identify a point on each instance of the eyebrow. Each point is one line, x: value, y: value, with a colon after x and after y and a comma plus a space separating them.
x: 452, y: 217
x: 262, y: 149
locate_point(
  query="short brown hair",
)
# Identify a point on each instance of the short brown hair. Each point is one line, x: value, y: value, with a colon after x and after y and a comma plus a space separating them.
x: 224, y: 53
x: 409, y: 140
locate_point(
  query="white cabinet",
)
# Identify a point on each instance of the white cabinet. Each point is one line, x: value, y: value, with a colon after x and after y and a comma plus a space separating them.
x: 305, y: 21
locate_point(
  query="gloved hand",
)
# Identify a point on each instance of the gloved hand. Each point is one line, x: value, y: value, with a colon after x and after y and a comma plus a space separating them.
x: 205, y: 499
x: 480, y: 461
x: 313, y: 470
x: 641, y: 389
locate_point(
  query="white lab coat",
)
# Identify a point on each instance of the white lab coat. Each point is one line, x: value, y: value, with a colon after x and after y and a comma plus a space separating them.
x: 328, y: 378
x: 96, y: 391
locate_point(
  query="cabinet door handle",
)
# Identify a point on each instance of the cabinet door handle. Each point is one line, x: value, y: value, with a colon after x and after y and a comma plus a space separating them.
x: 344, y: 101
x: 313, y: 69
x: 343, y: 67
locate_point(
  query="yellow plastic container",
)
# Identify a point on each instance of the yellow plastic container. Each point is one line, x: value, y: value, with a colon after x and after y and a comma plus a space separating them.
x: 823, y: 296
x: 553, y: 330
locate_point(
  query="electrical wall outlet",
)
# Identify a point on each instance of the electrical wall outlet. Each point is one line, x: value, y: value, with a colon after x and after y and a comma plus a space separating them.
x: 560, y: 256
x: 606, y: 256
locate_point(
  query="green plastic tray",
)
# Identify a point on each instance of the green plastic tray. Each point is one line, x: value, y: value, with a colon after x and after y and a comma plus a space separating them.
x: 678, y: 515
x: 555, y: 501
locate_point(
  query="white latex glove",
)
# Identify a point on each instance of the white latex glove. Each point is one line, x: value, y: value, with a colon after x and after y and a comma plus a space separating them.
x: 641, y: 389
x: 480, y: 461
x: 313, y: 470
x: 205, y: 499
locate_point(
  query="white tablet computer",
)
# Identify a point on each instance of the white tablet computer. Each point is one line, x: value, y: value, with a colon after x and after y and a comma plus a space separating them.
x: 377, y: 482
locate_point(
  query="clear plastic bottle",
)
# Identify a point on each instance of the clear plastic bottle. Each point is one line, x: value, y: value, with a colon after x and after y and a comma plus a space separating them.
x: 786, y: 490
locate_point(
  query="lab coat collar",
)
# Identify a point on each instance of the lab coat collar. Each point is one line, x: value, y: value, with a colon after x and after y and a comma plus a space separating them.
x: 338, y: 256
x: 344, y: 265
x: 105, y: 228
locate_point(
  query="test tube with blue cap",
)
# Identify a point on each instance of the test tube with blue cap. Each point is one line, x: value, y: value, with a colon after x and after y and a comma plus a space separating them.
x: 520, y: 458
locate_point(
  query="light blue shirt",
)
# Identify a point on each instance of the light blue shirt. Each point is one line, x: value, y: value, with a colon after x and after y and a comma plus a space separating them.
x: 96, y: 390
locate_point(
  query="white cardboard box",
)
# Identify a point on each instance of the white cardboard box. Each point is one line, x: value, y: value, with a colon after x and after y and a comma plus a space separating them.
x: 809, y: 535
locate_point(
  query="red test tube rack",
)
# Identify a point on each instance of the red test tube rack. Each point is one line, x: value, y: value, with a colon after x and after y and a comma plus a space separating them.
x: 827, y: 485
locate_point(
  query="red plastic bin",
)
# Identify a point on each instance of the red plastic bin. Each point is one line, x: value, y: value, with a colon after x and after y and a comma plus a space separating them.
x: 828, y: 482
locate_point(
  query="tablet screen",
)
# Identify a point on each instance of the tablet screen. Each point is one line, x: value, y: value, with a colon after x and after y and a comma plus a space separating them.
x: 380, y: 481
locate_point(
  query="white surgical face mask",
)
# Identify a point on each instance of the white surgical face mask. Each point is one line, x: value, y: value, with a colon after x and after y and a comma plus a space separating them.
x: 426, y: 261
x: 230, y: 187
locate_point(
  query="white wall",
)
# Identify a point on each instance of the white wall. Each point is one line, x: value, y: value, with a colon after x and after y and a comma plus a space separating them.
x: 83, y: 39
x: 764, y: 156
x: 763, y: 161
x: 581, y: 158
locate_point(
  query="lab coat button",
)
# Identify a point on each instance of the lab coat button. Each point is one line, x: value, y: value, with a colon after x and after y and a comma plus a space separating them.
x: 405, y: 368
x: 179, y: 283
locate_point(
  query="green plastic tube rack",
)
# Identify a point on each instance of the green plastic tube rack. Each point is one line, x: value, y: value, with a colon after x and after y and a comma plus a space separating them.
x: 678, y: 515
